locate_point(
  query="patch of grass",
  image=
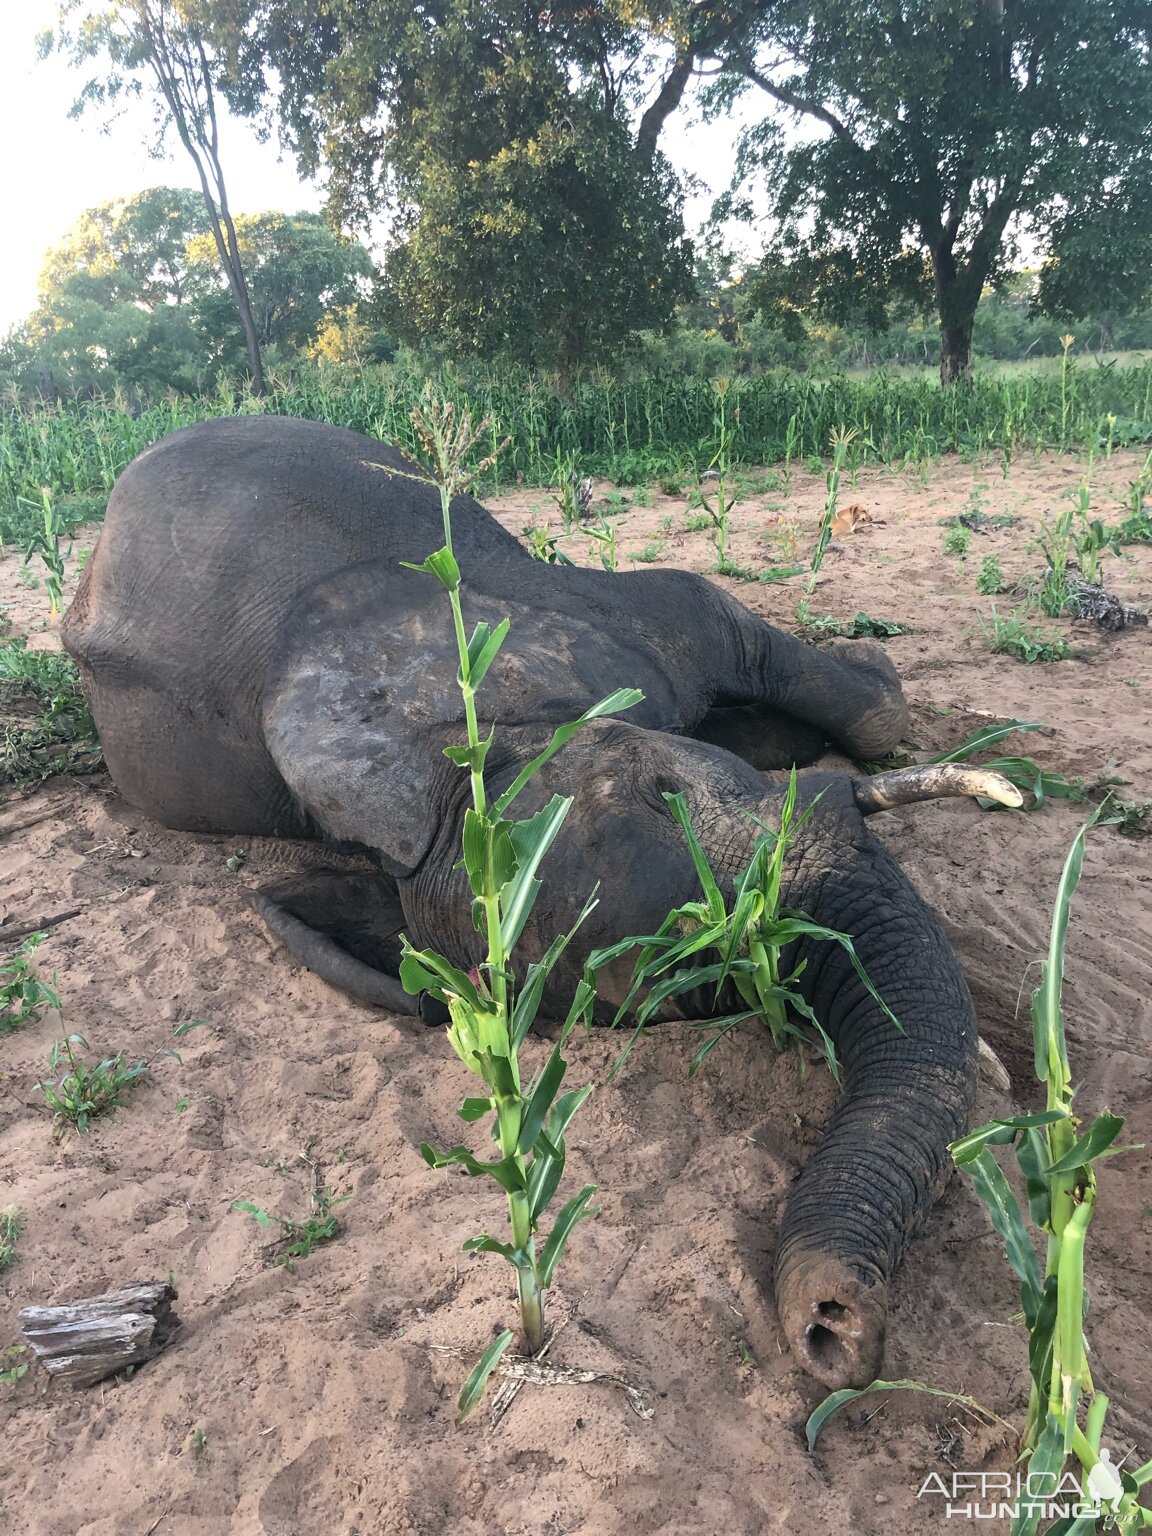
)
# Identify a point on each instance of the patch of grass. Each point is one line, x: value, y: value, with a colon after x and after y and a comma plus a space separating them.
x: 43, y: 716
x: 990, y: 578
x: 298, y: 1238
x: 23, y: 996
x: 11, y: 1226
x: 697, y: 522
x: 78, y: 1091
x: 651, y: 552
x: 1015, y: 636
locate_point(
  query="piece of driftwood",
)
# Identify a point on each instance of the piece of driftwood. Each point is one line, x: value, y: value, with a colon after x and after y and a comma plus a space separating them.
x: 92, y: 1338
x: 22, y: 930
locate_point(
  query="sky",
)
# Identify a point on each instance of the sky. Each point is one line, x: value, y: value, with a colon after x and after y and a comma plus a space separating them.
x: 55, y: 166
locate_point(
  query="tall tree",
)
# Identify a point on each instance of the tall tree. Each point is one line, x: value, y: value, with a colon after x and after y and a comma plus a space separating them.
x: 134, y: 294
x: 164, y: 41
x: 529, y: 217
x: 299, y: 273
x: 118, y: 297
x: 934, y: 135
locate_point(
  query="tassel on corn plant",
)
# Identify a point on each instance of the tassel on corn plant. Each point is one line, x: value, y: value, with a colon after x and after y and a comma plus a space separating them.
x: 489, y: 1016
x: 1057, y: 1159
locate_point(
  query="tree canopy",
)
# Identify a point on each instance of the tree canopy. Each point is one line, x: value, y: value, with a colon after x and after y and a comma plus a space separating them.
x: 134, y: 294
x: 529, y: 217
x: 939, y: 135
x: 909, y: 148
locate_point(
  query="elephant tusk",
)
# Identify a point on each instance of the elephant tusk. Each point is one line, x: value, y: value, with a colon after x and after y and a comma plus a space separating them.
x: 992, y: 1070
x: 931, y: 781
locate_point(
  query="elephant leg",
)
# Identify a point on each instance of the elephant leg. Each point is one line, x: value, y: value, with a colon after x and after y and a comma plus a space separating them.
x: 345, y: 928
x: 764, y: 737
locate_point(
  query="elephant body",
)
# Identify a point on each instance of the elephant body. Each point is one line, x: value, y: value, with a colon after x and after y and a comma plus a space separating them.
x: 258, y: 661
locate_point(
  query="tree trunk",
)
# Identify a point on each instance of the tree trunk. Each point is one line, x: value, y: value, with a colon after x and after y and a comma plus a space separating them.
x: 955, y: 353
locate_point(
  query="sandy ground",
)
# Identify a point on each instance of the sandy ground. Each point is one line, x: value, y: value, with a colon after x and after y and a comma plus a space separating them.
x: 319, y: 1402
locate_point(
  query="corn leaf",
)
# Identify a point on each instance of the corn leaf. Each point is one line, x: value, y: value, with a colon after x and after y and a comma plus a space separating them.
x: 558, y: 1237
x: 622, y: 698
x: 1004, y: 1213
x: 837, y: 1400
x: 473, y: 1389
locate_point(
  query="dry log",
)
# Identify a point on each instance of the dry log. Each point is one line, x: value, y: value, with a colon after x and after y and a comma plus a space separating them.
x: 92, y: 1338
x: 22, y: 930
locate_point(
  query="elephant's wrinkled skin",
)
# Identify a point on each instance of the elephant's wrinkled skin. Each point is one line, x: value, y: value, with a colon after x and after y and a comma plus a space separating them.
x: 258, y: 662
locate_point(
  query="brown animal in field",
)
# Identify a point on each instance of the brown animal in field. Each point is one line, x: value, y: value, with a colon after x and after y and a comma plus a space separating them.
x: 849, y: 518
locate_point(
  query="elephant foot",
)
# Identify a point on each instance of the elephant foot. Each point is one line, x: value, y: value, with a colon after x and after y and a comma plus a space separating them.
x: 833, y: 1317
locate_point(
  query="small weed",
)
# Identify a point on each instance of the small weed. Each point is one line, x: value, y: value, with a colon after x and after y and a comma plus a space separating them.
x: 642, y: 497
x: 77, y: 1092
x: 236, y: 861
x: 616, y: 502
x: 751, y: 939
x: 990, y: 579
x: 785, y: 533
x: 671, y: 485
x: 667, y: 524
x: 28, y: 578
x: 298, y: 1238
x: 18, y: 1368
x: 978, y: 519
x: 651, y: 552
x: 11, y: 1226
x: 544, y: 546
x: 697, y: 522
x: 1131, y: 818
x: 957, y: 541
x: 736, y: 572
x: 1015, y: 636
x: 22, y: 994
x: 862, y: 627
x: 200, y: 1443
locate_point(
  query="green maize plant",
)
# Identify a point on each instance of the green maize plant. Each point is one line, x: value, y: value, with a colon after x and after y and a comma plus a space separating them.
x: 748, y: 941
x: 841, y: 440
x: 1056, y: 1158
x: 489, y: 1017
x: 604, y: 541
x: 713, y: 486
x: 45, y: 542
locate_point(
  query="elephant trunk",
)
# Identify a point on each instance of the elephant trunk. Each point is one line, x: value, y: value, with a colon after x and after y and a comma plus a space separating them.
x: 884, y: 1157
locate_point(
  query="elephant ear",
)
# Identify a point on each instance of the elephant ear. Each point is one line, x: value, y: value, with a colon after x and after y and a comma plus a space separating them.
x: 357, y: 708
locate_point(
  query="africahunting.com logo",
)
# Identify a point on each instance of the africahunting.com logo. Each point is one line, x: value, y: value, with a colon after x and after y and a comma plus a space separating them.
x: 1035, y: 1495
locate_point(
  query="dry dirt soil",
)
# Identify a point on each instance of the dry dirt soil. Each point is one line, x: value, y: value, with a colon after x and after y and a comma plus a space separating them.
x: 320, y: 1401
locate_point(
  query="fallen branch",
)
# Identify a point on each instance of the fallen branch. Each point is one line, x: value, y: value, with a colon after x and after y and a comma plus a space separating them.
x: 22, y: 930
x: 92, y: 1338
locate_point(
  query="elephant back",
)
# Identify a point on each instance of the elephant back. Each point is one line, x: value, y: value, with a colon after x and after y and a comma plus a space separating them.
x: 210, y: 537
